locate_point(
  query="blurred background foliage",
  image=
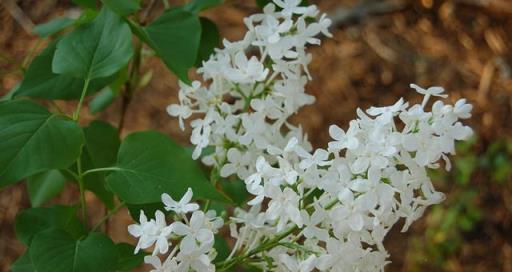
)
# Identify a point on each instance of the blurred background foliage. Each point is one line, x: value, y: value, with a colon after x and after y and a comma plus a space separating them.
x: 379, y: 47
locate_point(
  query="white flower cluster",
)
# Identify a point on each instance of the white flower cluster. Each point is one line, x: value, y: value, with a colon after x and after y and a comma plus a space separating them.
x: 325, y: 209
x: 196, y: 235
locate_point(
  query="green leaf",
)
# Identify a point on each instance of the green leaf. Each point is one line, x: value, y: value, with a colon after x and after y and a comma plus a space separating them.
x: 222, y: 248
x: 33, y: 140
x: 41, y: 82
x: 32, y: 221
x: 210, y: 39
x: 53, y: 26
x: 102, y: 100
x: 86, y: 3
x: 95, y: 50
x: 101, y: 147
x: 175, y: 36
x: 236, y: 190
x: 23, y: 264
x: 149, y: 209
x: 86, y: 16
x: 55, y: 251
x: 151, y: 164
x: 195, y: 6
x: 127, y: 260
x: 123, y: 7
x: 45, y: 186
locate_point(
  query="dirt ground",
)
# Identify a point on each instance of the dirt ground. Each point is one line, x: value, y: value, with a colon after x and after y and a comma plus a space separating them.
x: 377, y: 50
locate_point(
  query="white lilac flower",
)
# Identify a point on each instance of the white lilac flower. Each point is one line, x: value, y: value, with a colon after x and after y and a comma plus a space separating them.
x: 180, y: 207
x: 194, y: 258
x: 339, y: 201
x: 342, y: 140
x: 295, y: 265
x: 151, y: 232
x: 167, y: 266
x: 195, y: 232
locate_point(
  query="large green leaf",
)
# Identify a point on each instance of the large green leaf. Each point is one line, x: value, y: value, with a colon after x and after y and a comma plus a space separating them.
x: 150, y: 164
x: 123, y: 7
x: 32, y: 221
x: 55, y: 251
x: 95, y: 50
x: 196, y: 6
x: 149, y: 209
x: 175, y: 36
x: 210, y: 39
x: 45, y: 186
x: 127, y: 260
x: 33, y: 140
x: 53, y: 26
x: 23, y: 264
x: 101, y: 146
x: 41, y: 82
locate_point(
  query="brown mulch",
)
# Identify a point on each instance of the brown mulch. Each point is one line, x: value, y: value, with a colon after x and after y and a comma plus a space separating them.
x: 464, y: 46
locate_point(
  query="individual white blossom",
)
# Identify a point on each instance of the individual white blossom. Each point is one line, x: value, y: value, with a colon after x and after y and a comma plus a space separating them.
x: 152, y: 232
x: 181, y: 207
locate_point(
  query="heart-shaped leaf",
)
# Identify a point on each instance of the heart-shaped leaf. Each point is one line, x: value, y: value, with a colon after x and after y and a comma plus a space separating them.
x: 41, y: 82
x: 95, y: 50
x: 32, y: 221
x: 175, y: 36
x: 54, y: 250
x: 150, y: 164
x: 23, y: 264
x: 210, y: 39
x: 127, y: 260
x: 33, y: 140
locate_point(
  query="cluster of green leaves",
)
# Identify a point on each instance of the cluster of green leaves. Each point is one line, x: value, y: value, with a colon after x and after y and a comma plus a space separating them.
x: 448, y: 224
x: 98, y: 54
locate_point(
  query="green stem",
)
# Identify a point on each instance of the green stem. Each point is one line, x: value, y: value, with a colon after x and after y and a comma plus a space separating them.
x: 81, y: 186
x: 100, y: 170
x: 225, y: 265
x: 108, y: 215
x: 73, y: 174
x: 79, y: 107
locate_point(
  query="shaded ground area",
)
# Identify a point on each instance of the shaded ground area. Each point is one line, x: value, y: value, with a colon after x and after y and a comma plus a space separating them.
x: 464, y: 46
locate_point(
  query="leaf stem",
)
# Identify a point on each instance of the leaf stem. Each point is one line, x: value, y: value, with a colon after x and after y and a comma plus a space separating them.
x: 83, y: 202
x: 105, y: 169
x: 84, y: 91
x: 108, y: 215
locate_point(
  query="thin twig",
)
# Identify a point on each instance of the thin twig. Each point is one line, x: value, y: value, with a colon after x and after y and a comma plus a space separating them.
x: 108, y: 215
x: 18, y: 15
